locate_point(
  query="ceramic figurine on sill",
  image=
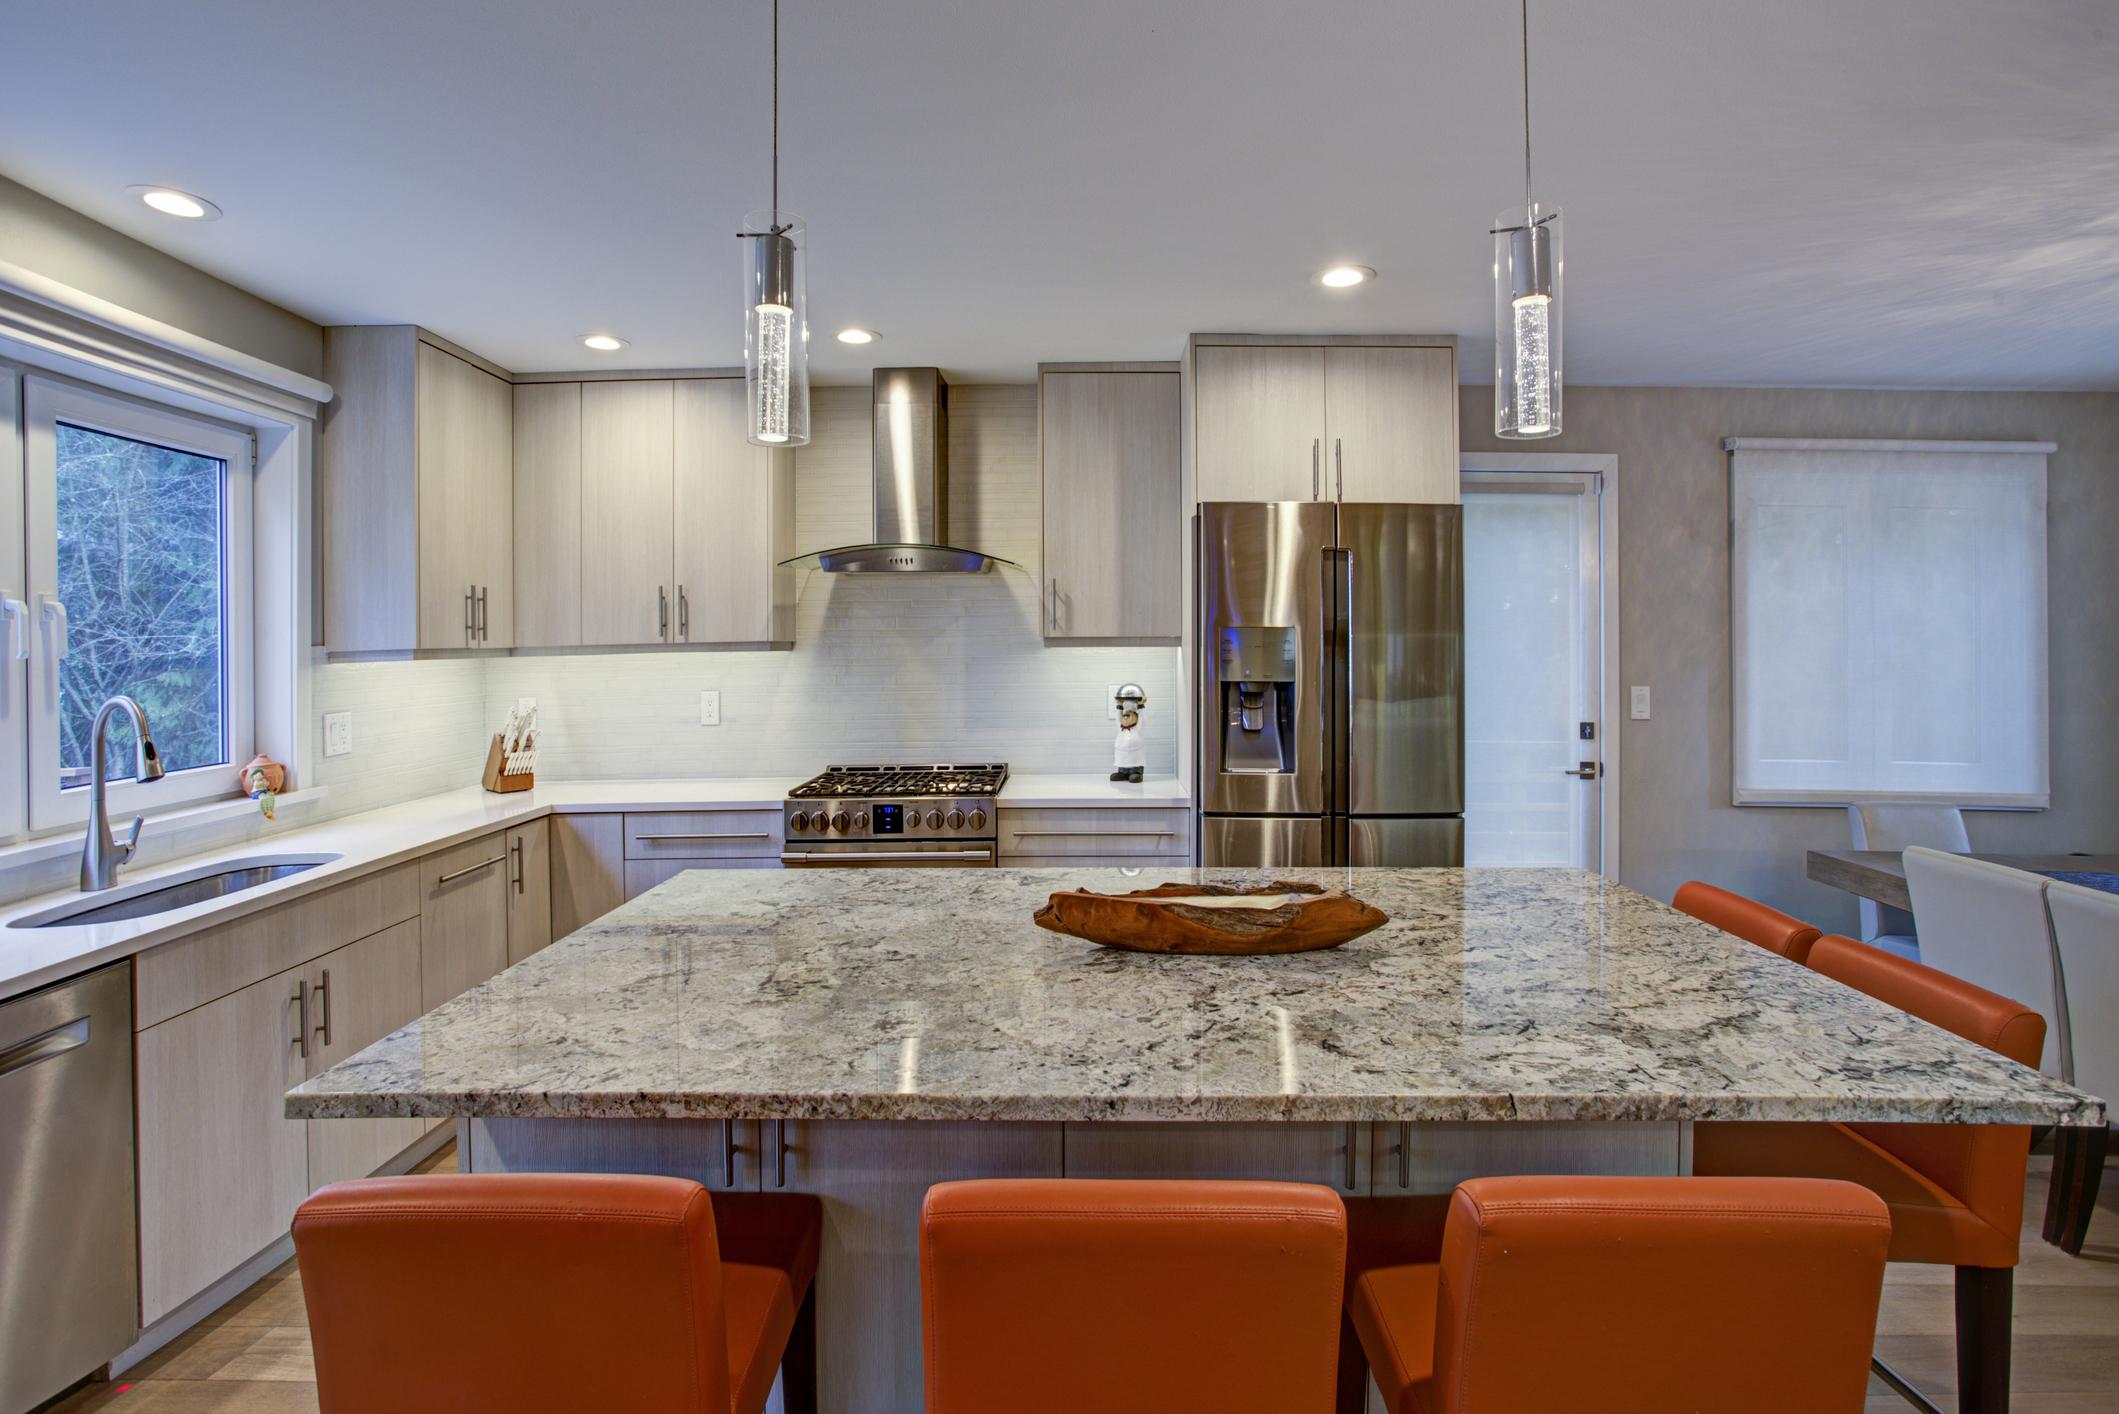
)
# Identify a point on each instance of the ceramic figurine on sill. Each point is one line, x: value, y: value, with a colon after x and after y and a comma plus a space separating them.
x: 1129, y: 754
x: 263, y: 779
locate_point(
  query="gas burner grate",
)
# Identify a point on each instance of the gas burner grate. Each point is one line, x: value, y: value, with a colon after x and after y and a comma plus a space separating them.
x: 874, y: 782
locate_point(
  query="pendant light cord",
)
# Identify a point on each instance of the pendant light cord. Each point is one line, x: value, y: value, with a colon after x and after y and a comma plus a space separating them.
x: 1529, y: 211
x: 776, y: 106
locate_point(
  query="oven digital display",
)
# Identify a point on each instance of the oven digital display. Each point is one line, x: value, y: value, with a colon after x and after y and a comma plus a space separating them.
x: 890, y: 819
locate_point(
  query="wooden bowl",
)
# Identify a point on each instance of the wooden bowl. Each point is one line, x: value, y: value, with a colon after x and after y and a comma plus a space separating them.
x: 1218, y: 920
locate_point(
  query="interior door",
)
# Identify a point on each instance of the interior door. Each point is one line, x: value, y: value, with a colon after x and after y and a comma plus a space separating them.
x: 1533, y: 669
x: 1259, y: 410
x: 1404, y: 635
x: 627, y: 496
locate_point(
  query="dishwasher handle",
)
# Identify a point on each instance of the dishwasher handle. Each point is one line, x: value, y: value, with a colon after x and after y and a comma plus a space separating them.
x: 43, y: 1046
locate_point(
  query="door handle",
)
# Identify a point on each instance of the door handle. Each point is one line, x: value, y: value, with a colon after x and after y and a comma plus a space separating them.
x: 1588, y: 771
x: 662, y: 611
x: 1338, y: 471
x: 323, y: 997
x: 17, y: 626
x: 470, y: 613
x: 301, y: 1019
x: 470, y: 869
x: 51, y: 611
x: 1316, y: 468
x: 484, y: 619
x: 684, y: 615
x: 55, y: 1042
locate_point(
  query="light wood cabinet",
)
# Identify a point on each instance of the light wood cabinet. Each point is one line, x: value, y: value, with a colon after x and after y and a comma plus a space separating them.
x: 588, y: 869
x: 529, y: 890
x: 1114, y: 537
x: 1143, y: 834
x: 358, y: 995
x: 1325, y: 418
x: 734, y: 513
x: 221, y: 1167
x: 415, y: 473
x: 627, y: 490
x: 547, y: 515
x: 463, y: 918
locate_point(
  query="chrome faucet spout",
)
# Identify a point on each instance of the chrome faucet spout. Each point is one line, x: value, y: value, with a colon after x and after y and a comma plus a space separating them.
x: 101, y: 855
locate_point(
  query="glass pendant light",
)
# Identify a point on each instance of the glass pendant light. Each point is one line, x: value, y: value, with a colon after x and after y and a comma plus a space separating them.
x: 1527, y: 303
x: 776, y: 315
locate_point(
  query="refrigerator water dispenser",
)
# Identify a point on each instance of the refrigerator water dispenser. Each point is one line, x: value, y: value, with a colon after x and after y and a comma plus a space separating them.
x: 1257, y: 673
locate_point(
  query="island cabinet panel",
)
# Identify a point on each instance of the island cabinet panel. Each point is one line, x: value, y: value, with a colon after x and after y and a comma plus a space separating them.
x: 873, y: 1178
x: 1335, y: 1155
x: 1435, y: 1158
x: 588, y: 869
x: 358, y: 995
x: 464, y: 917
x: 221, y: 1166
x: 1093, y: 831
x: 529, y: 889
x: 720, y: 1154
x: 1114, y: 528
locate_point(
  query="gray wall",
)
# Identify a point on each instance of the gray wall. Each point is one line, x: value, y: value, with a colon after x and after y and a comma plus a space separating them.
x: 60, y: 243
x: 1676, y: 819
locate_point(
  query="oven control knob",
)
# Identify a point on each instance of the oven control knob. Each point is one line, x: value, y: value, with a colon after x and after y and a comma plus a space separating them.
x: 978, y: 819
x: 956, y: 819
x: 860, y: 821
x: 798, y: 821
x: 838, y: 821
x: 934, y: 819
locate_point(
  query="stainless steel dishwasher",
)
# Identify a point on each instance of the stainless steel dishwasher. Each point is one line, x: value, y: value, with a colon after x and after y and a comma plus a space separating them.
x: 69, y: 1276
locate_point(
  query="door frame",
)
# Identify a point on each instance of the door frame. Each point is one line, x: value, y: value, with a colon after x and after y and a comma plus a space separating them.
x: 1597, y: 475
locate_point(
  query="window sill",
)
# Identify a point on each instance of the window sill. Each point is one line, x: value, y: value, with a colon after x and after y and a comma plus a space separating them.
x: 164, y: 829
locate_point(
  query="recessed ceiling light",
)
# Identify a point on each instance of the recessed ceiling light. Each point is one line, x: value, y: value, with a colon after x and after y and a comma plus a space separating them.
x: 603, y: 343
x: 171, y: 202
x: 1340, y: 277
x: 858, y: 336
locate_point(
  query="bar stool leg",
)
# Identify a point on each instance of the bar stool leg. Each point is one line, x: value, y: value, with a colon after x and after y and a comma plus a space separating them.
x: 1985, y: 1320
x: 798, y: 1366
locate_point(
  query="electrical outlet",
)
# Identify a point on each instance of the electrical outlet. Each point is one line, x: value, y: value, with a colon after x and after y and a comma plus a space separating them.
x: 1640, y: 704
x: 709, y: 709
x: 1111, y: 702
x: 338, y: 733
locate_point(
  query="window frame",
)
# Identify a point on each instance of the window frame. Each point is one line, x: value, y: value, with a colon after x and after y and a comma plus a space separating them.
x: 46, y: 401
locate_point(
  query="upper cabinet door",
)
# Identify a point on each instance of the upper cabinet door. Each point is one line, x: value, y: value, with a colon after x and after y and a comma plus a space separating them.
x: 493, y: 460
x: 1259, y: 412
x: 1391, y: 421
x: 458, y: 512
x: 1114, y: 539
x: 627, y: 546
x: 547, y: 515
x: 734, y: 518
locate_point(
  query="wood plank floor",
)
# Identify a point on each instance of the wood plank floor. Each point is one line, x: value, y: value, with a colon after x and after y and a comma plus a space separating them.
x: 252, y: 1356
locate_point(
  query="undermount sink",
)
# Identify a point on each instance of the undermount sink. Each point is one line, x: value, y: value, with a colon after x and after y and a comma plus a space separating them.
x: 152, y: 896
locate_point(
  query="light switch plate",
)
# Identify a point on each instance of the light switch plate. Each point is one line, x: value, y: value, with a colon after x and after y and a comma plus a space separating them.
x: 338, y: 733
x: 1640, y: 704
x: 709, y: 709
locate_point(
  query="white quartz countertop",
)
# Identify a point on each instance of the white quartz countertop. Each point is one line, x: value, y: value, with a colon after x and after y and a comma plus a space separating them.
x: 1492, y: 994
x: 375, y: 839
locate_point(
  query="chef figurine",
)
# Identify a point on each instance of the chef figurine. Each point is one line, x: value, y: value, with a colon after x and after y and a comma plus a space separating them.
x: 1129, y: 754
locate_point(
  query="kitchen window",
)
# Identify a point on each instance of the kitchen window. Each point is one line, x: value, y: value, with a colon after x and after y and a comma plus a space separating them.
x: 136, y: 541
x: 1888, y: 605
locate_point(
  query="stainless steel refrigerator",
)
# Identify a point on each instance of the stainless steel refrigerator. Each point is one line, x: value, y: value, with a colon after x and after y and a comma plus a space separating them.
x: 1330, y: 683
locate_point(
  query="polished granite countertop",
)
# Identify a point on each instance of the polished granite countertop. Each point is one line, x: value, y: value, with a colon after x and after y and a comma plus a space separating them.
x: 1493, y: 994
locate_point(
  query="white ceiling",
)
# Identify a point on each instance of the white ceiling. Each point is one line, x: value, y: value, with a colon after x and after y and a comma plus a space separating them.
x: 1859, y: 192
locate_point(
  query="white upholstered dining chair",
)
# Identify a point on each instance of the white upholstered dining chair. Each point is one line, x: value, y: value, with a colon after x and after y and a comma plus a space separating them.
x: 1900, y: 826
x: 1987, y: 924
x: 2086, y: 942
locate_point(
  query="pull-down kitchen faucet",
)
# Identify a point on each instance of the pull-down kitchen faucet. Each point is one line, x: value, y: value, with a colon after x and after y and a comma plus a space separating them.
x: 100, y: 854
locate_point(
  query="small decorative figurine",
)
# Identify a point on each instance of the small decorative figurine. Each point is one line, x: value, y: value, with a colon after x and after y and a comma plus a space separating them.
x: 263, y: 779
x: 1129, y: 754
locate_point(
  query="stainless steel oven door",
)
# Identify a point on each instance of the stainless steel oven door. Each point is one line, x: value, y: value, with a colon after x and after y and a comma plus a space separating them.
x: 913, y: 854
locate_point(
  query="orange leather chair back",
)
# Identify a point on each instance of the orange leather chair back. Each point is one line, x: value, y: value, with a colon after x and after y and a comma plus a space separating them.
x: 483, y: 1294
x: 1981, y: 1164
x: 1658, y: 1295
x: 1748, y: 919
x: 1055, y: 1296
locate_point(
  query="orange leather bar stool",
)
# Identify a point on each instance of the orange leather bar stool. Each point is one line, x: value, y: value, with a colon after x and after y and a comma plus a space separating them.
x: 1634, y: 1296
x: 1057, y: 1296
x: 1748, y: 919
x: 557, y: 1293
x: 1955, y: 1190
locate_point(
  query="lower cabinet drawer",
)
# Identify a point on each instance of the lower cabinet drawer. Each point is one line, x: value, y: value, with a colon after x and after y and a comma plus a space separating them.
x: 704, y: 834
x: 1139, y: 862
x: 1071, y: 833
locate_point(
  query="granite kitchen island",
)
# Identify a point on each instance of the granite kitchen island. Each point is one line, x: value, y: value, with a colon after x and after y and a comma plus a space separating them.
x: 863, y: 1033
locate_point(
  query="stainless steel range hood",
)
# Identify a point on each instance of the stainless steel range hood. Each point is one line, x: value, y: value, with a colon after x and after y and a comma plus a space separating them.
x: 911, y: 485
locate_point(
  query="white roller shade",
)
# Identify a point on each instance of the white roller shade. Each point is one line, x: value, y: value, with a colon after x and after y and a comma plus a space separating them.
x: 1888, y: 621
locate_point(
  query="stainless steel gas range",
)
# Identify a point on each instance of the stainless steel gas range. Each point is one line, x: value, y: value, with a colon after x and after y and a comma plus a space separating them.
x: 933, y: 816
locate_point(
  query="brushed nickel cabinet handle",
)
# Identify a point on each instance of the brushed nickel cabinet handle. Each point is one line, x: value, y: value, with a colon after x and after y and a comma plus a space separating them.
x: 470, y: 613
x: 1351, y: 1176
x: 732, y: 835
x: 485, y: 618
x: 779, y: 1153
x: 470, y: 869
x: 301, y: 1019
x: 728, y: 1153
x: 662, y: 611
x: 684, y: 615
x: 323, y: 997
x: 55, y: 1042
x: 1338, y: 472
x: 1316, y: 468
x: 1055, y: 606
x: 515, y: 849
x: 1405, y: 1154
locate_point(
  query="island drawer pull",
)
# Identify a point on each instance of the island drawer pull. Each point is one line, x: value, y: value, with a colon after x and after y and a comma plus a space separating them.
x: 742, y: 835
x: 728, y: 1153
x: 1095, y: 834
x: 779, y: 1153
x: 892, y: 856
x: 1352, y: 1177
x: 471, y: 868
